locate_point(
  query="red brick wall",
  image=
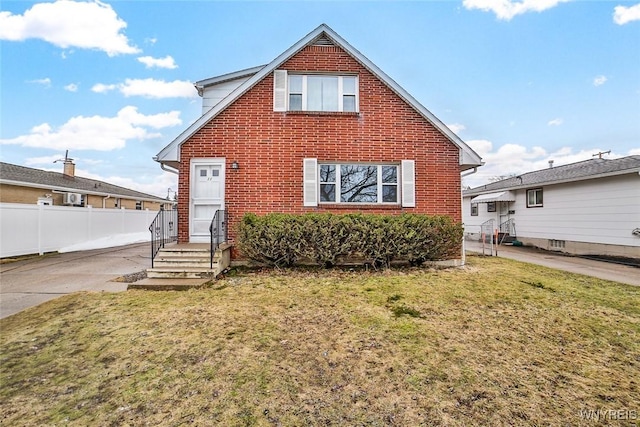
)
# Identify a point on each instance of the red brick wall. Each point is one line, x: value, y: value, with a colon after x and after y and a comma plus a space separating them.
x: 270, y: 146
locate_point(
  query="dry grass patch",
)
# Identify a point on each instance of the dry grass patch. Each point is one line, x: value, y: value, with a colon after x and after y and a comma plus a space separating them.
x: 495, y: 343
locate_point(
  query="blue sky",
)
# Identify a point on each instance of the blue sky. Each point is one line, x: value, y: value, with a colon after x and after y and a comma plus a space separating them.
x: 522, y: 82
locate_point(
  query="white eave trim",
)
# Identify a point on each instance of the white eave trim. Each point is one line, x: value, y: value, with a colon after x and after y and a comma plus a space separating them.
x: 467, y: 158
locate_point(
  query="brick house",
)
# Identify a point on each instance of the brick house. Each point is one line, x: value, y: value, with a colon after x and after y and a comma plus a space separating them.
x: 319, y: 129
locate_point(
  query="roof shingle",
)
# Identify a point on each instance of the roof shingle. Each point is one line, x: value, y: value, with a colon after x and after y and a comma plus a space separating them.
x: 572, y: 172
x: 58, y: 181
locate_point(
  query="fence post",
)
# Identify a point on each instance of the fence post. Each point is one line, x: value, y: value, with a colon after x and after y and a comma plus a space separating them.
x: 40, y: 214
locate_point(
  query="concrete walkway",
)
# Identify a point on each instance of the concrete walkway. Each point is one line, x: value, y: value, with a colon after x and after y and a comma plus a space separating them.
x: 600, y: 269
x: 32, y: 281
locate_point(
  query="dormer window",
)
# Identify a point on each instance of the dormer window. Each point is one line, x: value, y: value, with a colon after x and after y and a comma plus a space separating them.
x: 315, y: 92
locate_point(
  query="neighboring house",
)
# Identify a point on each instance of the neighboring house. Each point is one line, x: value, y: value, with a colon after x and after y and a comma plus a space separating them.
x: 319, y: 129
x: 19, y: 184
x: 590, y: 207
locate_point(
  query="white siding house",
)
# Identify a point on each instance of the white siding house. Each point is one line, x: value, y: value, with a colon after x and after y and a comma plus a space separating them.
x: 590, y: 207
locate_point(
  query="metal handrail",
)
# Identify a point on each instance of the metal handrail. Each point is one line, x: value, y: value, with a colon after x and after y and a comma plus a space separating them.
x: 218, y: 232
x: 509, y: 227
x: 486, y: 228
x: 163, y: 230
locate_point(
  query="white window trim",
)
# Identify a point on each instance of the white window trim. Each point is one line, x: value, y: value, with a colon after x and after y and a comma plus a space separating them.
x: 311, y: 184
x: 281, y: 91
x: 535, y: 205
x: 379, y: 183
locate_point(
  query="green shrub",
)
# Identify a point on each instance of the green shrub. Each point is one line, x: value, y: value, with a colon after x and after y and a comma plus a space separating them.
x: 326, y: 239
x: 275, y: 239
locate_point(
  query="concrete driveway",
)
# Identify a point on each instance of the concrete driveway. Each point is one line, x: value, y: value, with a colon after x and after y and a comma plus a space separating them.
x: 33, y: 281
x: 600, y: 269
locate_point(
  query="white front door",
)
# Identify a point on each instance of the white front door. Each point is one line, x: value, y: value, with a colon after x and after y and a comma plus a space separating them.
x: 207, y: 196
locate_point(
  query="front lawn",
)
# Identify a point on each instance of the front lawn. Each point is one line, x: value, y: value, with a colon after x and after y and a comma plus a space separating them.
x: 497, y: 342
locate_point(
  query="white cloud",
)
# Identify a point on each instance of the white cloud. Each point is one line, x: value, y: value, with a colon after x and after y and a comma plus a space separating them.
x: 102, y: 88
x: 517, y: 159
x: 507, y: 9
x: 166, y: 62
x: 151, y: 88
x: 456, y: 127
x: 555, y: 122
x: 599, y: 80
x: 150, y: 184
x: 97, y: 132
x: 623, y: 15
x: 71, y: 87
x: 44, y: 160
x: 66, y: 24
x: 45, y: 82
x: 480, y: 146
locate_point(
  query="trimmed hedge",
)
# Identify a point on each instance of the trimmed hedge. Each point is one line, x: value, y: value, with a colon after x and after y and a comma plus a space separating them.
x: 326, y: 239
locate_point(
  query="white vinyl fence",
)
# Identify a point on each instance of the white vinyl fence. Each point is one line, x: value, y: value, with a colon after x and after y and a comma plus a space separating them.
x: 33, y: 229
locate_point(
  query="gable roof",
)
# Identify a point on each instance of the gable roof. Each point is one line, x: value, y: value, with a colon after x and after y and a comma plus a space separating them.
x: 170, y: 155
x: 28, y: 177
x: 587, y: 169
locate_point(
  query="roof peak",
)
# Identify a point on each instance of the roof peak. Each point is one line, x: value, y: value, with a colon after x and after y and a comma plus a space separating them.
x: 170, y: 154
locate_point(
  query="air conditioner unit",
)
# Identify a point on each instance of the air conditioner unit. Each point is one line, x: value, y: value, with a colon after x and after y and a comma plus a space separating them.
x: 72, y: 199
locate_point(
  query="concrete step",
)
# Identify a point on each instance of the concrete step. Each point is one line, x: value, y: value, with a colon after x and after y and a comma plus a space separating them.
x: 184, y: 265
x: 185, y: 260
x: 180, y: 273
x: 166, y: 284
x: 183, y: 253
x: 189, y: 262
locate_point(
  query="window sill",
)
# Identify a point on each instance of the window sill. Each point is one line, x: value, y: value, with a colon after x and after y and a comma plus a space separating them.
x: 352, y: 206
x: 324, y: 113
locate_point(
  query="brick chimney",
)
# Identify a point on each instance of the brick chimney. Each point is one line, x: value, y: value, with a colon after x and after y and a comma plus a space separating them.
x: 69, y: 168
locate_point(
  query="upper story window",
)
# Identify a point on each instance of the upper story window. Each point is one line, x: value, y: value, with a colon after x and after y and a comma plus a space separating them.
x: 315, y: 92
x: 534, y: 198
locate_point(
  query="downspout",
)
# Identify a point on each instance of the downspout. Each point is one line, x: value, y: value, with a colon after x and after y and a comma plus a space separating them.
x: 462, y: 175
x: 104, y: 201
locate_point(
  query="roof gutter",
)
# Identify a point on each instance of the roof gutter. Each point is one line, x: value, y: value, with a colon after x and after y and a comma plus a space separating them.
x: 471, y: 172
x: 168, y: 169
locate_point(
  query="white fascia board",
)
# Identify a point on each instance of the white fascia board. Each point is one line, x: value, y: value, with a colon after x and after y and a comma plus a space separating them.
x: 467, y: 159
x: 172, y: 152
